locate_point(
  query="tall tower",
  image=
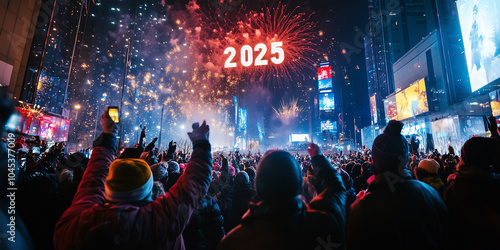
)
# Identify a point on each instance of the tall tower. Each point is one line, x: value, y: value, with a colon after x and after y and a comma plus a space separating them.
x: 394, y: 28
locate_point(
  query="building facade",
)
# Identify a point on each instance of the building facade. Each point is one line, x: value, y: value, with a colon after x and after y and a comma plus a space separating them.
x: 443, y: 91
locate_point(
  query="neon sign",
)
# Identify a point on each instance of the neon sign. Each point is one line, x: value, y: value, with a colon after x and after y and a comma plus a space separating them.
x: 246, y: 55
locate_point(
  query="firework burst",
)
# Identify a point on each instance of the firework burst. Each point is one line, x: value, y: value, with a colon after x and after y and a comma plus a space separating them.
x: 268, y: 25
x: 177, y: 65
x: 287, y: 111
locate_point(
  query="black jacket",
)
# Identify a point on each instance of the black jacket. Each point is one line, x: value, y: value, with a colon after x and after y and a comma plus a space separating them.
x: 474, y: 205
x: 293, y: 224
x: 397, y: 213
x: 206, y: 226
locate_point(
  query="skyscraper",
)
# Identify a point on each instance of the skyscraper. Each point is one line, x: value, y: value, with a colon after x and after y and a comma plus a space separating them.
x: 47, y: 74
x: 394, y: 28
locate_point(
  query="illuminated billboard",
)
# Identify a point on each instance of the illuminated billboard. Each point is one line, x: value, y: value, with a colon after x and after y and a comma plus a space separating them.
x: 326, y: 101
x: 325, y: 73
x: 243, y: 118
x: 49, y: 128
x: 495, y: 102
x: 412, y: 101
x: 325, y: 83
x: 299, y: 137
x: 373, y: 106
x: 329, y: 126
x: 53, y: 128
x: 480, y: 25
x: 391, y: 110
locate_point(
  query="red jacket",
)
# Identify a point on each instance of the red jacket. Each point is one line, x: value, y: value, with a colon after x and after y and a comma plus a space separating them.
x: 90, y: 223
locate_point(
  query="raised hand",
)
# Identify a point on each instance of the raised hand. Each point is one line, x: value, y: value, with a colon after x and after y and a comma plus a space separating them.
x: 199, y: 133
x: 313, y: 150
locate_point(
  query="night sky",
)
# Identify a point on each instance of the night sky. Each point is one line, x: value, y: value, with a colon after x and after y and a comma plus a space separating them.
x: 170, y: 66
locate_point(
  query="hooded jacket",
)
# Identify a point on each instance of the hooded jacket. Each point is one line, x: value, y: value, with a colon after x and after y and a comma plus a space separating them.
x: 92, y: 223
x: 293, y: 224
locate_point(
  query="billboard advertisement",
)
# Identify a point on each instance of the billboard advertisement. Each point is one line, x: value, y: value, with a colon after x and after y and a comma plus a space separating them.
x: 49, y: 128
x: 495, y: 102
x: 299, y: 137
x: 373, y: 107
x: 325, y: 73
x: 329, y: 126
x: 53, y: 128
x: 480, y: 25
x: 412, y: 101
x: 326, y: 101
x: 471, y: 126
x: 325, y: 83
x: 391, y: 110
x: 445, y: 132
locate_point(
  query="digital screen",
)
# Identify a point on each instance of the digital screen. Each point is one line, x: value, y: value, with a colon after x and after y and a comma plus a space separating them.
x: 391, y: 109
x: 373, y: 106
x: 325, y: 73
x: 113, y: 113
x: 48, y: 127
x: 326, y: 101
x: 329, y: 126
x: 242, y: 124
x: 299, y: 137
x: 412, y: 101
x: 261, y: 132
x: 471, y: 125
x: 480, y: 25
x: 325, y: 83
x: 495, y: 102
x: 445, y: 132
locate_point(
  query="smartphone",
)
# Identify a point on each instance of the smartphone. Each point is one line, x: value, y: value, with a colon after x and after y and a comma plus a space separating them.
x: 113, y: 112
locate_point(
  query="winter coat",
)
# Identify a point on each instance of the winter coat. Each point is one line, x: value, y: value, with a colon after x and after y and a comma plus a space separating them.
x: 397, y: 213
x: 293, y: 224
x: 92, y: 223
x: 206, y: 227
x: 435, y: 182
x: 474, y: 205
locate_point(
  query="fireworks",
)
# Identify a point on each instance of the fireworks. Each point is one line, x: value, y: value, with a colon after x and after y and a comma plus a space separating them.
x: 286, y: 112
x: 267, y: 26
x: 177, y: 66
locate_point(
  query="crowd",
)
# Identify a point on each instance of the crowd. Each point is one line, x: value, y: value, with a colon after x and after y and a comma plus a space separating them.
x: 140, y: 197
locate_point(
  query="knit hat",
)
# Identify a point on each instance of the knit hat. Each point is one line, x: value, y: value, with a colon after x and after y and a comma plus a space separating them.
x: 173, y: 167
x: 128, y: 180
x: 159, y: 170
x: 478, y: 151
x: 251, y: 173
x: 429, y: 165
x: 279, y: 177
x: 241, y: 178
x: 390, y: 151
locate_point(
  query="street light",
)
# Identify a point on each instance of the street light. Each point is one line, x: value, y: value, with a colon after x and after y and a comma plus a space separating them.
x: 77, y: 107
